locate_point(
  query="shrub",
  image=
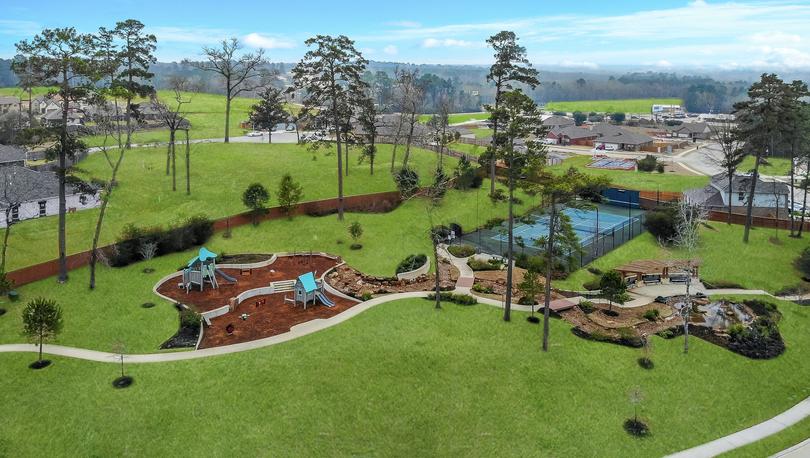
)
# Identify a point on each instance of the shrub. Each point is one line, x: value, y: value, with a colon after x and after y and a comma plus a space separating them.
x: 646, y: 363
x: 595, y: 270
x: 407, y: 181
x: 189, y: 319
x: 366, y: 296
x: 467, y: 176
x: 492, y: 222
x: 652, y: 314
x: 6, y: 284
x: 760, y: 341
x: 461, y: 251
x: 498, y: 196
x: 194, y: 231
x: 586, y: 306
x: 460, y: 299
x: 480, y: 288
x: 412, y: 262
x: 659, y: 167
x: 647, y: 164
x: 478, y: 265
x: 255, y: 198
x: 667, y: 334
x: 661, y: 223
x: 289, y: 194
x: 736, y: 330
x: 717, y: 284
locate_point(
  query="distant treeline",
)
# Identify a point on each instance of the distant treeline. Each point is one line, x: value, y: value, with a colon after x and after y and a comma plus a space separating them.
x: 467, y: 89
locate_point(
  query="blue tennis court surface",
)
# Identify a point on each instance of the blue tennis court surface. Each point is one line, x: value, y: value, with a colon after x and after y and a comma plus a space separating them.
x: 584, y: 222
x: 612, y: 164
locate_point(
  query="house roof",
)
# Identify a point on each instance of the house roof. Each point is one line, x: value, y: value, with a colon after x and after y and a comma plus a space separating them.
x: 691, y: 128
x: 20, y: 184
x: 624, y: 136
x: 9, y: 100
x: 308, y: 282
x: 575, y: 132
x: 11, y: 153
x: 558, y: 121
x: 742, y: 183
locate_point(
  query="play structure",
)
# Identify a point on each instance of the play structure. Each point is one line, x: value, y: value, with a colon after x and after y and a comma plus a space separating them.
x: 202, y: 270
x: 307, y: 289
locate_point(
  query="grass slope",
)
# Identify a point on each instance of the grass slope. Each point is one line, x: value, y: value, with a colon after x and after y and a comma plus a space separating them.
x: 220, y: 173
x: 642, y: 106
x: 759, y: 264
x: 404, y: 379
x: 456, y: 118
x: 776, y: 166
x: 636, y: 180
x: 95, y: 319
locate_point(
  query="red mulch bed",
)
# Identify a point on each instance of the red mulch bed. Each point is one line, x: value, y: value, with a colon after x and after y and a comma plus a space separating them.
x: 273, y: 317
x: 284, y: 268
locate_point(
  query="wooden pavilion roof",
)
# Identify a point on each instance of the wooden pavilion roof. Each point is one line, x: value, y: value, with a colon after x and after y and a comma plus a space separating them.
x: 656, y: 266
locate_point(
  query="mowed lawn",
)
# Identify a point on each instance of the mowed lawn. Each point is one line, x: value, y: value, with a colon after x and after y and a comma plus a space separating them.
x: 760, y: 264
x: 96, y: 319
x: 775, y: 166
x: 403, y: 379
x: 219, y: 175
x: 640, y: 106
x: 456, y: 118
x: 649, y: 181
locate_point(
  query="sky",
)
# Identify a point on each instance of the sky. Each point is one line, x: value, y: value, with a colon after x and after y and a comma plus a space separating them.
x: 580, y: 34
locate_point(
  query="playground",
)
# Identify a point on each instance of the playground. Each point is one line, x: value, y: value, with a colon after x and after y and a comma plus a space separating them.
x: 244, y: 302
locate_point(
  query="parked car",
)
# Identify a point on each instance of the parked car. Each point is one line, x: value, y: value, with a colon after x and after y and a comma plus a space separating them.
x: 254, y: 133
x: 290, y: 128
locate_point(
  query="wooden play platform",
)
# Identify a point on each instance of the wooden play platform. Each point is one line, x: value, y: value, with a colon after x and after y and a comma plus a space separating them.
x: 267, y: 314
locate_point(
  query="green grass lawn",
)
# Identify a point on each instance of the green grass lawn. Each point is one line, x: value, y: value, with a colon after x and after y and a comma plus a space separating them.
x: 758, y: 265
x: 636, y: 180
x: 17, y: 92
x: 220, y: 173
x: 774, y: 444
x: 777, y: 166
x: 643, y: 106
x: 456, y: 118
x: 404, y: 379
x: 475, y: 150
x: 95, y: 319
x: 481, y: 132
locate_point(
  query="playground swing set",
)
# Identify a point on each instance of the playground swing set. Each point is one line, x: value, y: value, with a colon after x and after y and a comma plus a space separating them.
x: 202, y: 270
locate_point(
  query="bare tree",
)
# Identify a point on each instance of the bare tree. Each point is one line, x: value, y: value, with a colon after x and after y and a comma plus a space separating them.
x: 172, y: 117
x: 411, y: 97
x: 238, y: 72
x: 732, y: 155
x: 689, y: 219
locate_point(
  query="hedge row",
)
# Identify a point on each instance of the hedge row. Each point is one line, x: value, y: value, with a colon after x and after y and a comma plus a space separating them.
x: 137, y: 244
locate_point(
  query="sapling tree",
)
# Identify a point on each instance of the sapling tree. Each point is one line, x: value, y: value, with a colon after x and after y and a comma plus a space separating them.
x: 690, y: 218
x: 355, y: 232
x: 256, y: 198
x: 171, y: 115
x: 124, y: 380
x: 289, y: 194
x: 613, y: 288
x: 42, y: 320
x: 531, y: 287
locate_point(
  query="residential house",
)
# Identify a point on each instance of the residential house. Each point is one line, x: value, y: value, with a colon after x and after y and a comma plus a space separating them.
x: 692, y: 130
x: 615, y: 138
x: 571, y: 135
x: 26, y: 194
x: 558, y: 121
x: 11, y: 155
x: 9, y: 103
x: 769, y: 195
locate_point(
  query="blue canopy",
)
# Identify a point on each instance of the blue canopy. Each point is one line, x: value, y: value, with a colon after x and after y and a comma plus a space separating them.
x: 308, y: 282
x: 202, y: 256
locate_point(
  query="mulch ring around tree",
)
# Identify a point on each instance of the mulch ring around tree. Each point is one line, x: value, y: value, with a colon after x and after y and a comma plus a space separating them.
x: 41, y: 364
x: 148, y: 305
x: 625, y: 328
x: 2, y: 311
x: 123, y: 382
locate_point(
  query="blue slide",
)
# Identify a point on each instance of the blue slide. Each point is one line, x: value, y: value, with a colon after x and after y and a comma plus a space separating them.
x: 324, y: 300
x: 226, y: 276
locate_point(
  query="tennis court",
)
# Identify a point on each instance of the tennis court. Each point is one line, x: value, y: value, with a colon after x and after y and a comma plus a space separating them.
x: 585, y: 222
x: 612, y: 163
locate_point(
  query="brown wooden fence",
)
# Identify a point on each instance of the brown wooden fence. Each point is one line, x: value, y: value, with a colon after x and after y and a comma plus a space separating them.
x: 378, y: 202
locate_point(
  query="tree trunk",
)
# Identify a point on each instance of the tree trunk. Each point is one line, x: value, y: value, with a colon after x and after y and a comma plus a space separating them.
x: 346, y: 162
x: 339, y: 163
x: 270, y: 135
x: 188, y: 165
x: 438, y: 271
x: 41, y: 338
x: 804, y: 200
x: 507, y: 310
x: 169, y: 153
x: 749, y: 215
x: 549, y: 272
x: 172, y: 136
x: 730, y: 192
x: 408, y: 141
x: 494, y: 137
x: 792, y: 191
x: 63, y: 275
x: 396, y: 142
x: 6, y: 234
x: 102, y: 211
x: 228, y: 110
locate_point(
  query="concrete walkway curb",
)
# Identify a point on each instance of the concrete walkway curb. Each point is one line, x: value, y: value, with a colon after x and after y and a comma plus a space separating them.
x: 747, y: 436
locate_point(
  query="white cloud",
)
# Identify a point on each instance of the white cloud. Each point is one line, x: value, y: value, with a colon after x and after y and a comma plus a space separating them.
x: 263, y: 41
x: 193, y: 35
x: 663, y: 63
x: 391, y: 50
x: 775, y: 38
x: 446, y: 43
